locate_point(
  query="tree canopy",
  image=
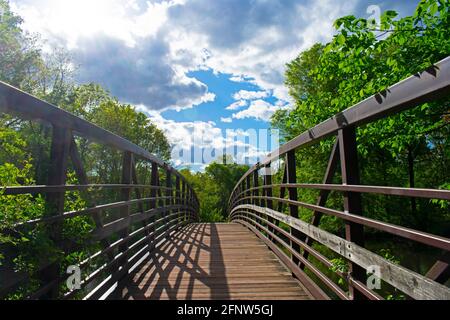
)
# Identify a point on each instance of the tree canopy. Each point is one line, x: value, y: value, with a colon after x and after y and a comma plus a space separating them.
x: 408, y: 149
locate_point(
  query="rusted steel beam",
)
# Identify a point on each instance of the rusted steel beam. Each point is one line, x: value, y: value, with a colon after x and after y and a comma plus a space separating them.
x: 267, y: 192
x: 352, y: 200
x: 59, y: 158
x: 283, y: 190
x: 255, y: 185
x: 178, y: 190
x: 440, y: 271
x: 83, y: 179
x: 291, y: 175
x: 169, y: 191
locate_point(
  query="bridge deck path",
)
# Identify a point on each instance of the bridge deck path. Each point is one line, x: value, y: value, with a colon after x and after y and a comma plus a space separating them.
x: 213, y: 261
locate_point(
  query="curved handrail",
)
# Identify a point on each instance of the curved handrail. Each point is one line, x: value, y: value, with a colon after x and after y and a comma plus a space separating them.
x: 420, y: 88
x: 260, y: 209
x: 26, y: 106
x: 144, y: 220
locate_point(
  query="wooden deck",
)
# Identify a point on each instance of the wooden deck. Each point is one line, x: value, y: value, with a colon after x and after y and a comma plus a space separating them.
x: 213, y: 261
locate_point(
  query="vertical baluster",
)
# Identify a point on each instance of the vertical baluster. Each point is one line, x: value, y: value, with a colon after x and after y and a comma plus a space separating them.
x: 256, y: 201
x: 169, y: 193
x: 282, y: 189
x: 183, y: 198
x: 57, y: 175
x: 268, y: 193
x: 125, y: 211
x: 155, y: 183
x: 247, y: 187
x: 178, y: 192
x: 291, y: 176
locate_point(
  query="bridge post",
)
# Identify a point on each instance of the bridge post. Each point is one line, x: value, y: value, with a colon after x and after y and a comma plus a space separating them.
x: 291, y: 175
x: 352, y: 200
x: 323, y: 194
x: 282, y: 189
x: 127, y: 168
x: 256, y: 201
x: 248, y: 185
x: 154, y: 181
x: 267, y: 192
x: 57, y: 175
x: 169, y: 193
x: 183, y: 198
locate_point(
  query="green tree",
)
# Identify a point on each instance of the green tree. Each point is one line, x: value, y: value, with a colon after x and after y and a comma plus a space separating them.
x: 214, y: 187
x: 408, y: 149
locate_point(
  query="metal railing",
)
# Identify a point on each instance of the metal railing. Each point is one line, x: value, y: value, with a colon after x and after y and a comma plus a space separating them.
x: 292, y: 240
x: 123, y: 241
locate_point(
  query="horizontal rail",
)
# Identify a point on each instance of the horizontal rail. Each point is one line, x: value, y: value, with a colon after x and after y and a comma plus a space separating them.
x: 164, y: 230
x: 89, y: 211
x: 118, y: 259
x: 26, y: 106
x: 330, y: 284
x: 391, y: 191
x: 422, y: 237
x: 17, y: 190
x: 410, y: 282
x: 134, y: 223
x: 123, y: 223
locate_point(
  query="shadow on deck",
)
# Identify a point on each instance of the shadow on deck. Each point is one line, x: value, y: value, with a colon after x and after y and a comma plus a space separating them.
x: 212, y: 261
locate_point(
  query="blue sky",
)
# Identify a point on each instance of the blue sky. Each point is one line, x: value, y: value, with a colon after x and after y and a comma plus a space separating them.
x: 192, y: 64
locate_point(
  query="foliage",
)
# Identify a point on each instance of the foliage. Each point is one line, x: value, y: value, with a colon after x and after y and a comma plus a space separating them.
x: 214, y: 187
x: 339, y: 265
x: 408, y: 149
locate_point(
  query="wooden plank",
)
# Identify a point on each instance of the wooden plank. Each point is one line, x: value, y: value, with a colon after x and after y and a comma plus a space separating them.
x: 215, y: 266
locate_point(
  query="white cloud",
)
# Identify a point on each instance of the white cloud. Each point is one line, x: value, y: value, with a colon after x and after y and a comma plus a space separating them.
x: 226, y: 120
x: 250, y: 40
x: 250, y: 95
x: 74, y: 19
x: 239, y: 78
x: 198, y: 138
x: 259, y: 110
x: 236, y: 105
x: 255, y: 40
